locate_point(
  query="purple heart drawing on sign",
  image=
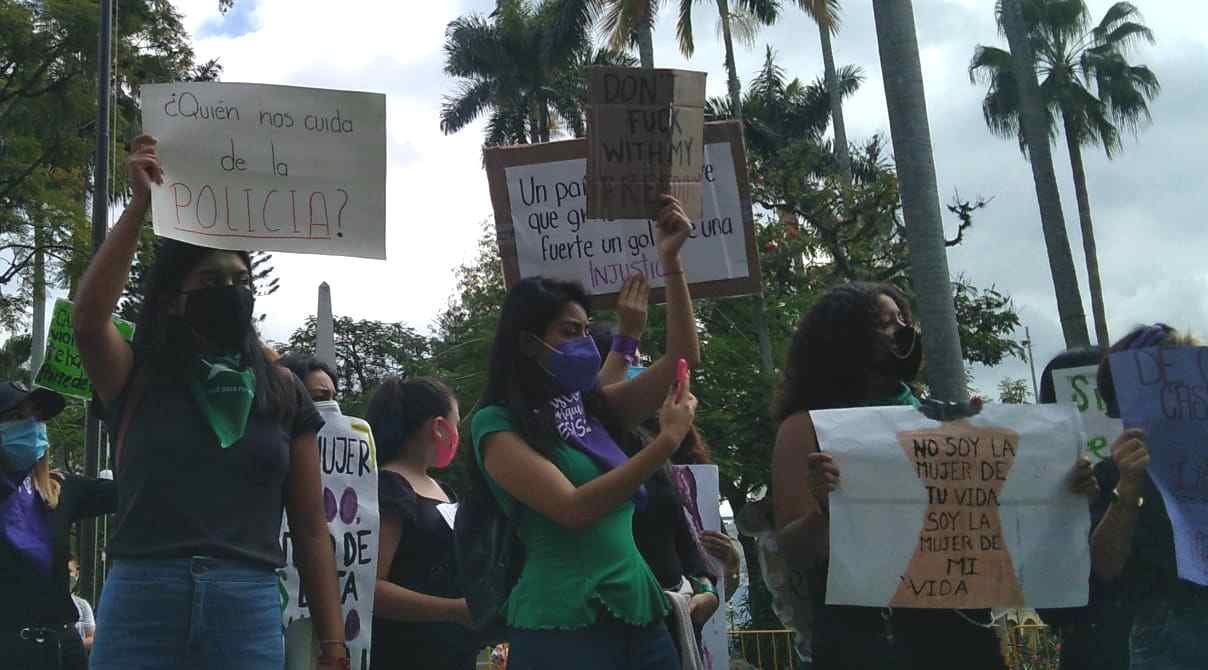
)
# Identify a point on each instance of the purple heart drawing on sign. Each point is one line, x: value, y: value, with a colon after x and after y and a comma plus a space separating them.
x: 329, y: 504
x: 352, y: 625
x: 348, y: 505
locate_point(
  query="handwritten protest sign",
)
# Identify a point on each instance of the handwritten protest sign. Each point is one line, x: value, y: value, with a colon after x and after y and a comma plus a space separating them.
x: 644, y: 129
x: 61, y: 369
x: 1079, y: 387
x: 1165, y: 393
x: 969, y: 514
x: 700, y: 491
x: 275, y: 168
x: 539, y: 196
x: 350, y: 499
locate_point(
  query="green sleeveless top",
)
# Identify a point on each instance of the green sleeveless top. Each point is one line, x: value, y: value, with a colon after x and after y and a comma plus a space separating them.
x: 571, y: 576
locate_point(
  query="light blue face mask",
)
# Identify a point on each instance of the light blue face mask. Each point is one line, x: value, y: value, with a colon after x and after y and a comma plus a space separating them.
x: 23, y: 443
x: 633, y: 371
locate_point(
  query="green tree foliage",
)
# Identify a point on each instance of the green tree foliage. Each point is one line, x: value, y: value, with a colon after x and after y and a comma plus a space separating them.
x: 368, y: 351
x: 1014, y: 391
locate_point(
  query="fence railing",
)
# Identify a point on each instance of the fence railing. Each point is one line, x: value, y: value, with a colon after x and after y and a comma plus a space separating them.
x: 1026, y: 647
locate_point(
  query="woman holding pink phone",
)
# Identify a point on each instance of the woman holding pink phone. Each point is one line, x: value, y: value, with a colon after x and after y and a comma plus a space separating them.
x: 553, y: 449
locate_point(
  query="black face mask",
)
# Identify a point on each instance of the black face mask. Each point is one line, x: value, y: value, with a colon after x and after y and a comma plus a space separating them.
x: 222, y: 315
x: 907, y: 353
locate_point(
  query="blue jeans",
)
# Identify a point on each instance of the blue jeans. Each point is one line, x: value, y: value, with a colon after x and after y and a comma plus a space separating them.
x: 1170, y: 634
x: 189, y: 614
x: 608, y: 645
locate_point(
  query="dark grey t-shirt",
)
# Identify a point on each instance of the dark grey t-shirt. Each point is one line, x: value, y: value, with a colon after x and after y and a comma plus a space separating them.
x: 181, y: 495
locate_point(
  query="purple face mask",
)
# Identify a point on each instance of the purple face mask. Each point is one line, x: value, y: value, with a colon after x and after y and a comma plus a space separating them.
x: 574, y: 364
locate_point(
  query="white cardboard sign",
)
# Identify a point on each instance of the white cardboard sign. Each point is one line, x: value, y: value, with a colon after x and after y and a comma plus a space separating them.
x: 1079, y: 387
x: 704, y: 513
x: 350, y: 498
x: 967, y: 515
x: 276, y: 168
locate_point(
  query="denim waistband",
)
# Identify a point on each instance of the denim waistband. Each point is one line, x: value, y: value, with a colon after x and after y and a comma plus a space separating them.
x: 129, y: 569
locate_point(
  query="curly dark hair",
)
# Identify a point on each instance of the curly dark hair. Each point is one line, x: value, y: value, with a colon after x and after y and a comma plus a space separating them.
x: 302, y: 364
x: 834, y: 348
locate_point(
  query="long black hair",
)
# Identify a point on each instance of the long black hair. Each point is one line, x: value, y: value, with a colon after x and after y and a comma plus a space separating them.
x: 166, y: 345
x: 516, y: 380
x: 399, y: 407
x: 834, y: 348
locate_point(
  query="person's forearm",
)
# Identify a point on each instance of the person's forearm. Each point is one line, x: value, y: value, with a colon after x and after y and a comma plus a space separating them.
x: 102, y: 284
x: 1111, y: 543
x: 402, y: 604
x: 614, y: 370
x: 317, y: 568
x: 600, y: 496
x: 807, y: 539
x: 682, y: 340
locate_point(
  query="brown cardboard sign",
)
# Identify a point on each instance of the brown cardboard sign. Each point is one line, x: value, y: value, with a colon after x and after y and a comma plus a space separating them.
x: 539, y: 194
x: 645, y: 134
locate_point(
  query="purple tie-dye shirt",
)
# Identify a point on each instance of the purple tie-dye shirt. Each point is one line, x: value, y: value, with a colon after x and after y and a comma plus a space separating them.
x: 23, y: 519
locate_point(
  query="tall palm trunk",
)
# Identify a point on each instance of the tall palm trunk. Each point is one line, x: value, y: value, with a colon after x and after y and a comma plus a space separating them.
x: 645, y: 25
x: 907, y: 104
x: 1035, y: 129
x: 1088, y: 236
x: 842, y: 154
x: 735, y: 89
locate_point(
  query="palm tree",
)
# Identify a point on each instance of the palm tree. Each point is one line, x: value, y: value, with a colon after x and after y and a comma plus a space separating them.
x: 522, y: 64
x: 1072, y: 58
x: 907, y: 106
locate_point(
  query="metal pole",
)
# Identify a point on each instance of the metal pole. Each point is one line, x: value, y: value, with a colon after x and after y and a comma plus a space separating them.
x: 89, y: 554
x: 1031, y: 363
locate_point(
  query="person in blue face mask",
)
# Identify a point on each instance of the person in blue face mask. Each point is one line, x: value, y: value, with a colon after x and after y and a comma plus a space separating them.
x: 37, y: 510
x: 553, y: 446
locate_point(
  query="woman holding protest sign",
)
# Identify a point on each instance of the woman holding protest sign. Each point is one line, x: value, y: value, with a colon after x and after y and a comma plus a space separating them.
x: 1133, y: 546
x: 548, y: 444
x: 212, y: 442
x: 38, y: 507
x: 420, y: 619
x: 858, y: 347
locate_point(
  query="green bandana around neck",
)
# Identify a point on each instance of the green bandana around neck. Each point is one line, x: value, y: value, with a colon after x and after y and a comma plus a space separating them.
x: 224, y: 392
x: 904, y: 397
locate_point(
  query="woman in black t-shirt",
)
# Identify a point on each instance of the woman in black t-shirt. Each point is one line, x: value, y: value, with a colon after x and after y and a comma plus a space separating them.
x: 37, y: 509
x: 420, y: 618
x: 212, y: 443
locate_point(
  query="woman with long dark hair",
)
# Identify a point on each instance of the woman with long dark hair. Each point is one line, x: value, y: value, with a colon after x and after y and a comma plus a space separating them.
x: 212, y: 443
x: 548, y: 440
x: 420, y: 619
x: 858, y: 347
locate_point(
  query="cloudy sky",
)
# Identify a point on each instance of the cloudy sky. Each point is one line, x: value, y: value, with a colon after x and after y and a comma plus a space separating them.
x: 1148, y: 211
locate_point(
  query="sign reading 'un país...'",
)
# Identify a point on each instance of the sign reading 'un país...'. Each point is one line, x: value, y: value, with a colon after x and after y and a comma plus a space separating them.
x: 275, y: 168
x: 644, y: 129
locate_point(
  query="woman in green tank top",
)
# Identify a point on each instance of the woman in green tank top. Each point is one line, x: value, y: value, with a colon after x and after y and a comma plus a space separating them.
x: 547, y: 442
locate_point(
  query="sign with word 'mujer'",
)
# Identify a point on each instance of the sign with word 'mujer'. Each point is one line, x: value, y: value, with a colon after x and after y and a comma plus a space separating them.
x: 539, y: 196
x: 350, y: 501
x: 276, y: 168
x: 62, y: 371
x: 1079, y: 387
x: 700, y: 492
x: 969, y: 514
x: 1165, y: 393
x: 644, y: 131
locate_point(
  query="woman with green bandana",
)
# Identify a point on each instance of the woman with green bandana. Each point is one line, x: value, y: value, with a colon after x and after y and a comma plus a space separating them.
x: 211, y: 443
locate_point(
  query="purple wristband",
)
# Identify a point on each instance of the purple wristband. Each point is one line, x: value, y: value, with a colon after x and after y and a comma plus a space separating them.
x: 623, y: 344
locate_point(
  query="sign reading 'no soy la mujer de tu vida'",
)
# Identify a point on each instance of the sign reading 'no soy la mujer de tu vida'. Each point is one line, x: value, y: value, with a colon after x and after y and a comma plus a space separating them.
x: 275, y: 168
x: 644, y: 129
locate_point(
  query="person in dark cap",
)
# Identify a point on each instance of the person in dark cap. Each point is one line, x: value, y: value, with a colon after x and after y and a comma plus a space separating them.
x: 37, y: 510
